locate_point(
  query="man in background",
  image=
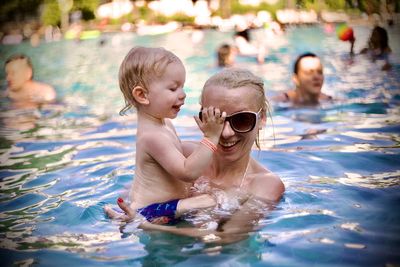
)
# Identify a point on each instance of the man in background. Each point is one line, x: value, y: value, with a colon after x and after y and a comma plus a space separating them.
x: 22, y: 90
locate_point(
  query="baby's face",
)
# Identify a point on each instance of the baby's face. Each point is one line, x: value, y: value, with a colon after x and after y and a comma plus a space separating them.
x: 166, y: 95
x: 18, y: 72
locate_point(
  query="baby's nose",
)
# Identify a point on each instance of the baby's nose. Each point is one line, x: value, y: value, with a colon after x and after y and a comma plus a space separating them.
x: 182, y: 95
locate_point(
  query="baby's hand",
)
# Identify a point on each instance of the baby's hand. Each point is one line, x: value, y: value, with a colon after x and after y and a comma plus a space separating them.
x: 211, y: 122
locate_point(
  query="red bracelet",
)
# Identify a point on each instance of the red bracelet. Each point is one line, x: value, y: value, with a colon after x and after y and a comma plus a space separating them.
x: 209, y: 144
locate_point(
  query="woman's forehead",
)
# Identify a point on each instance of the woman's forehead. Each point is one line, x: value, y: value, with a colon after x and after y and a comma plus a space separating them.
x: 230, y: 98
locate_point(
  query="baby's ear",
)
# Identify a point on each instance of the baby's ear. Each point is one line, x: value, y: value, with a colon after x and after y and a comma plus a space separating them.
x: 140, y: 95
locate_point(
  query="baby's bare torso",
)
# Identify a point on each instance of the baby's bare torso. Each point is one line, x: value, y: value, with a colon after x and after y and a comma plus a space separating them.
x: 152, y: 183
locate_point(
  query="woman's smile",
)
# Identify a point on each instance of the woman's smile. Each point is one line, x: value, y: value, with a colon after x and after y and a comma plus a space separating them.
x: 228, y: 145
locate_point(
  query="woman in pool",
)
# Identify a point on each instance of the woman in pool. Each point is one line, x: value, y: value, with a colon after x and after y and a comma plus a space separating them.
x: 378, y: 47
x: 242, y: 186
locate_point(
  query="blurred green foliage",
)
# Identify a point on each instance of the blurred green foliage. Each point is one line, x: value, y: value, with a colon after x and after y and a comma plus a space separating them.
x: 162, y: 19
x: 51, y: 14
x: 87, y: 7
x: 238, y: 8
x: 336, y: 4
x: 182, y: 18
x: 47, y: 10
x: 369, y: 6
x: 18, y: 10
x: 144, y: 12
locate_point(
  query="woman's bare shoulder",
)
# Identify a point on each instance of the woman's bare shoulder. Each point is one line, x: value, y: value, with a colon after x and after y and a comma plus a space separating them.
x: 266, y: 184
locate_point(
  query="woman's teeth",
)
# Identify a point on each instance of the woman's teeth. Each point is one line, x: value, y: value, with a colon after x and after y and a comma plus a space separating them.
x: 228, y: 144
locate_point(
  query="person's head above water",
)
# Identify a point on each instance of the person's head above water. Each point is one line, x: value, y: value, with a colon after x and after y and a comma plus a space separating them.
x: 22, y: 90
x: 378, y: 47
x: 308, y: 75
x: 145, y: 72
x: 19, y: 70
x: 226, y: 55
x: 241, y: 94
x: 379, y: 41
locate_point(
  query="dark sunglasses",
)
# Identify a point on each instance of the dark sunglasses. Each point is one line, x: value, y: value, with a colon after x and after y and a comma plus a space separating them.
x: 242, y: 121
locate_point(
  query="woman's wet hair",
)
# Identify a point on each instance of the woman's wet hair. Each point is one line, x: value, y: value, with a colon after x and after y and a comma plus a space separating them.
x: 299, y: 58
x: 24, y: 57
x: 234, y: 78
x: 139, y: 68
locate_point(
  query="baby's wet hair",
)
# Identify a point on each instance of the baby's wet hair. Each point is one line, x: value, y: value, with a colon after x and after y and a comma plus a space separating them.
x: 139, y: 68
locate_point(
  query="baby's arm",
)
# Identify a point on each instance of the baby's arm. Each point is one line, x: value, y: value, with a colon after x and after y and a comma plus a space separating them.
x: 188, y: 147
x: 172, y: 159
x: 211, y: 125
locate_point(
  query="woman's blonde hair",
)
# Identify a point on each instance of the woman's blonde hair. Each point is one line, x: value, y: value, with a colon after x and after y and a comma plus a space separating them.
x: 234, y: 78
x: 139, y: 68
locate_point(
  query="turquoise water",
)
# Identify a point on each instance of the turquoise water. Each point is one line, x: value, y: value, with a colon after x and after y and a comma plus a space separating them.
x: 342, y: 185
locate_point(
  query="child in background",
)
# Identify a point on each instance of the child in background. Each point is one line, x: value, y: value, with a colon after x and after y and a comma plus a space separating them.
x: 152, y: 80
x: 378, y: 47
x: 226, y: 55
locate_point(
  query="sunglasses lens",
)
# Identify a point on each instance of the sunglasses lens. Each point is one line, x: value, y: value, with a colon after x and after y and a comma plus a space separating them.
x: 240, y: 122
x: 243, y: 122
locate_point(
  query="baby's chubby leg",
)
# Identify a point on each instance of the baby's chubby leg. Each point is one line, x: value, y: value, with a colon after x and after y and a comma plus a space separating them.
x: 198, y: 202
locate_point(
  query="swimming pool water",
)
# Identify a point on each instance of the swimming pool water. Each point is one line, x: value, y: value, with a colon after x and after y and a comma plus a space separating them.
x: 342, y: 185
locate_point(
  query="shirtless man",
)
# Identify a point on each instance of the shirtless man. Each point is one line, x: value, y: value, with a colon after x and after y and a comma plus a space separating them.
x: 22, y: 90
x: 308, y: 78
